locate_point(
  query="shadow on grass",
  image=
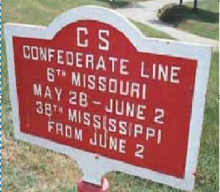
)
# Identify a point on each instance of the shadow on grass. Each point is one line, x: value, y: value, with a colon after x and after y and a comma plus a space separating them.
x: 116, y: 3
x: 176, y: 14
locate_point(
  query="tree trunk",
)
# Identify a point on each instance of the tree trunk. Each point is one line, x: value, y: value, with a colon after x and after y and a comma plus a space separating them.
x: 181, y: 2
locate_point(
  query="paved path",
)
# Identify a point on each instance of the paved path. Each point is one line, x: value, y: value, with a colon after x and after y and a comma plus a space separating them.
x: 146, y: 13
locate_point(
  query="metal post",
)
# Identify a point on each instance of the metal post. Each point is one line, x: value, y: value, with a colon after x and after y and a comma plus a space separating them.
x: 88, y: 187
x: 195, y: 4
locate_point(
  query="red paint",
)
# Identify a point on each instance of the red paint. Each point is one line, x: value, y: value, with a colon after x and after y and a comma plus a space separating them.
x: 87, y: 187
x: 176, y: 99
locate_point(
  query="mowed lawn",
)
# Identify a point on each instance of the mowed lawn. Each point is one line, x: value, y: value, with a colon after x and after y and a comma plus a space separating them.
x: 204, y: 22
x: 27, y: 168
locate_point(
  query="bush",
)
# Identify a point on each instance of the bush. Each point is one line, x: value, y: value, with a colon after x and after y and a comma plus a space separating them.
x: 171, y: 13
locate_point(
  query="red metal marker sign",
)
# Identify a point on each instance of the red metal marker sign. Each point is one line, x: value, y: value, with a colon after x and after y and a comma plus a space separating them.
x: 88, y: 87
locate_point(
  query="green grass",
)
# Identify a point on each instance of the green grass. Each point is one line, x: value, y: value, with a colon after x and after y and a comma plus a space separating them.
x: 24, y: 182
x: 204, y: 22
x: 150, y: 32
x: 28, y: 168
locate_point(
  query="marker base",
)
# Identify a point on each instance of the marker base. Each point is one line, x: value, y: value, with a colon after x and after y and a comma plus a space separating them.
x: 88, y: 187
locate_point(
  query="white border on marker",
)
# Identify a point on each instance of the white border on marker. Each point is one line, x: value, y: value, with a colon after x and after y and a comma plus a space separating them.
x: 92, y: 168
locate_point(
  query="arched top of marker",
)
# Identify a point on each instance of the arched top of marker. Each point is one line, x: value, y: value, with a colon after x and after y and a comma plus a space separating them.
x: 114, y: 19
x: 100, y: 14
x: 124, y: 25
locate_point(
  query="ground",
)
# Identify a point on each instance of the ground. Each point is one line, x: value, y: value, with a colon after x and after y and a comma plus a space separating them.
x: 27, y: 168
x: 204, y: 22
